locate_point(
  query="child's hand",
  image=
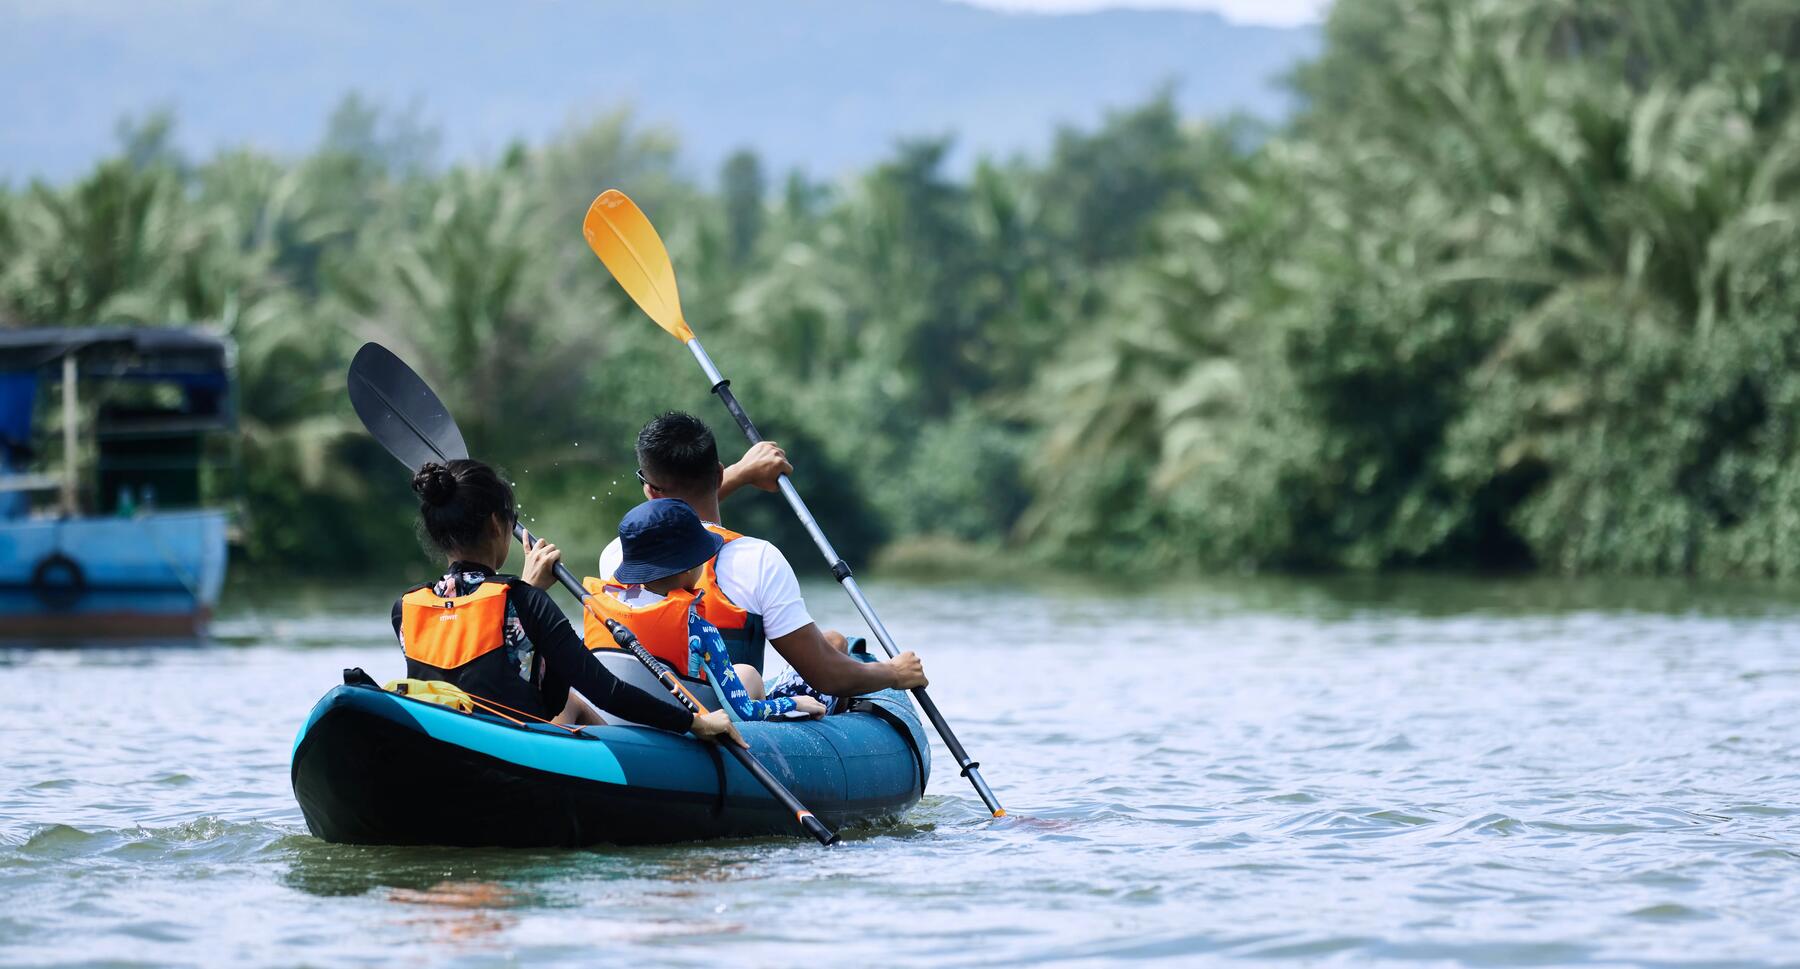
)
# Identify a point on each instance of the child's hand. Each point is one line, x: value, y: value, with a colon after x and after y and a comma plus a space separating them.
x: 540, y: 565
x: 809, y: 706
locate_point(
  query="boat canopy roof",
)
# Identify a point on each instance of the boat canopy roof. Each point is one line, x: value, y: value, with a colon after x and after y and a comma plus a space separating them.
x: 179, y: 353
x: 195, y: 359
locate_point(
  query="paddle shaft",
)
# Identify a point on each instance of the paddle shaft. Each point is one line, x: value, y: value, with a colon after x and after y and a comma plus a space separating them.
x: 629, y: 643
x: 840, y: 570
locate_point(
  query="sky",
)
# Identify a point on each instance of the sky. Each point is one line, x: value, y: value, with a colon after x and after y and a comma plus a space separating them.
x: 821, y: 85
x: 1269, y: 13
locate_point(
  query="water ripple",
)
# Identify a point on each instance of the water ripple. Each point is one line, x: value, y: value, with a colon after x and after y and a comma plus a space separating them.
x: 1413, y: 771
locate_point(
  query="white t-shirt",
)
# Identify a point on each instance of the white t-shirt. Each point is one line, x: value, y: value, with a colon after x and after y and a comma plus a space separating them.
x: 752, y: 573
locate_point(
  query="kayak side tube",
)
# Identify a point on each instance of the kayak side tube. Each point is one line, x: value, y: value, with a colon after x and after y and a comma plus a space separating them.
x: 371, y: 767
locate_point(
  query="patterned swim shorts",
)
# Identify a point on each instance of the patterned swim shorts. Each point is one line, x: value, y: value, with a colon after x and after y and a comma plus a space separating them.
x: 789, y: 683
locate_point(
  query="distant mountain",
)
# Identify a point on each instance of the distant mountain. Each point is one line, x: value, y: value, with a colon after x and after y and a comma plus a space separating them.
x: 822, y: 84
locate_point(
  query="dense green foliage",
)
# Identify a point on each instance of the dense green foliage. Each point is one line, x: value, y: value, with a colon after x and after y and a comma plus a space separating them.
x: 1518, y: 285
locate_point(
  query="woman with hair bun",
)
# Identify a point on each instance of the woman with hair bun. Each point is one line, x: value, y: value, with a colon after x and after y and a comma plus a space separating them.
x: 498, y: 637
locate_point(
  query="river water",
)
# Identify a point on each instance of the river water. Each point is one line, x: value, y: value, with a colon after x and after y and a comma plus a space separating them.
x: 1415, y: 771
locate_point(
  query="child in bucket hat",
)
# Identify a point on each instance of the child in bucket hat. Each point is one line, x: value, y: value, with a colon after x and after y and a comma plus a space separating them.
x: 665, y: 547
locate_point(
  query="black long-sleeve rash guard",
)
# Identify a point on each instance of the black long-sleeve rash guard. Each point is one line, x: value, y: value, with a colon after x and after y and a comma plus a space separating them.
x: 566, y: 662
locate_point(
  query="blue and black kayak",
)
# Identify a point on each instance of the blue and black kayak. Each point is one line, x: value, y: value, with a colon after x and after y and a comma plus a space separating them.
x: 373, y: 767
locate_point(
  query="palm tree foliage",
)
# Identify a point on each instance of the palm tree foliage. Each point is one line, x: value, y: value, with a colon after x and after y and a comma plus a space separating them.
x: 1505, y: 292
x: 1518, y: 284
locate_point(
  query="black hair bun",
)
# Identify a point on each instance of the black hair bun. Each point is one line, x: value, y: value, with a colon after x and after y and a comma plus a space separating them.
x: 435, y: 484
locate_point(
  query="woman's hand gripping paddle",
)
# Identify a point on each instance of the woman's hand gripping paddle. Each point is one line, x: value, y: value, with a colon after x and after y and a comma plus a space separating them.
x: 401, y: 412
x: 623, y: 238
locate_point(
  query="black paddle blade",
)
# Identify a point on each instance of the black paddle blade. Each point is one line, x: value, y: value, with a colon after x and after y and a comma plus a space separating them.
x: 400, y: 410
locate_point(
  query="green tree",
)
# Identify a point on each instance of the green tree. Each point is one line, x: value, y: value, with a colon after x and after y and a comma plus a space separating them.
x: 741, y: 185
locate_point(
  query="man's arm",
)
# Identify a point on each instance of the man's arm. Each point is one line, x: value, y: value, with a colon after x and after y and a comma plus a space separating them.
x: 760, y: 467
x: 832, y: 672
x: 774, y: 594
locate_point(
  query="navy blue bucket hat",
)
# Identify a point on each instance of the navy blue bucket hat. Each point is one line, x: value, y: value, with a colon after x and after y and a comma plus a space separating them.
x: 660, y: 538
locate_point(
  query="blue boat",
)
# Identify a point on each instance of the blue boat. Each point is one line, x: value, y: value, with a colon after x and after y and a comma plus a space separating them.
x: 374, y: 767
x: 111, y: 539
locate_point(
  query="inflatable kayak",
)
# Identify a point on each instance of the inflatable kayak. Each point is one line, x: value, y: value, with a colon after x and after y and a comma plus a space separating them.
x: 373, y: 767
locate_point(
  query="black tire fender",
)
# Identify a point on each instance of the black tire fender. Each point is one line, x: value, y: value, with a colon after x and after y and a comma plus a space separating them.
x: 58, y: 580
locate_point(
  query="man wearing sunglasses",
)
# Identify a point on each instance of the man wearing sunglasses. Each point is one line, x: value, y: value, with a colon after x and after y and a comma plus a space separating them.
x: 752, y: 594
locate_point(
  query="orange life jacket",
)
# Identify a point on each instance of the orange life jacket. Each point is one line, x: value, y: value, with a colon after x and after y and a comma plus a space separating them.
x: 661, y: 626
x: 459, y: 639
x: 665, y: 636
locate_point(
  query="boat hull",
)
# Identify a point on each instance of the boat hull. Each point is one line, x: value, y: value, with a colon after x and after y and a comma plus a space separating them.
x: 372, y: 767
x: 152, y: 576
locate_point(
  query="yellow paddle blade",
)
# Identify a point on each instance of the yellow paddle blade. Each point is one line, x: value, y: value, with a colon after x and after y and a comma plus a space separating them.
x: 624, y: 239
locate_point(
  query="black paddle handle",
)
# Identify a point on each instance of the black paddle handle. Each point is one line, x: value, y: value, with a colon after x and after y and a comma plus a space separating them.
x: 723, y: 389
x: 562, y: 573
x: 963, y: 760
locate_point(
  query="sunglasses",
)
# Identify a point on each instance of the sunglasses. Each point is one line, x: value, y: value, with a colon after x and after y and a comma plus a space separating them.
x: 646, y: 482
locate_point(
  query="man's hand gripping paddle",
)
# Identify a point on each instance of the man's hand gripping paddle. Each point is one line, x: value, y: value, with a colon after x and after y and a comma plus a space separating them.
x: 402, y: 413
x: 623, y: 238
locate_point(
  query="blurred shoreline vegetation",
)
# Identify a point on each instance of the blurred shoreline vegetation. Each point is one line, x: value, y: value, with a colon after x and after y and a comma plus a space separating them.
x: 1516, y: 287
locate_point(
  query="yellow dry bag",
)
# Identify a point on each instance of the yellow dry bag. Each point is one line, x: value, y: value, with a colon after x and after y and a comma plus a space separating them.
x: 432, y: 691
